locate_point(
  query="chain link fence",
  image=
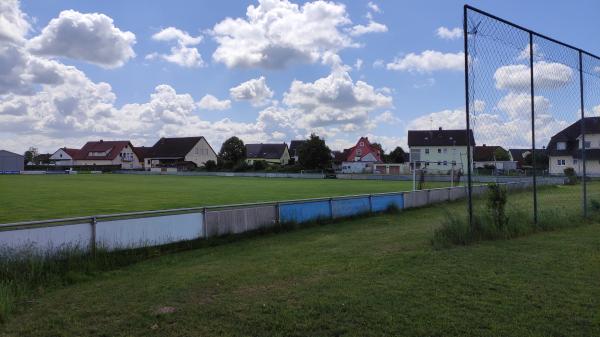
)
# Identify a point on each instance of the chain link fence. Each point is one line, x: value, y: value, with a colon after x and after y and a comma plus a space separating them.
x: 532, y: 104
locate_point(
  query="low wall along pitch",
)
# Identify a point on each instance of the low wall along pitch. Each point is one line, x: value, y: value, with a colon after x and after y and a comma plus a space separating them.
x: 133, y: 230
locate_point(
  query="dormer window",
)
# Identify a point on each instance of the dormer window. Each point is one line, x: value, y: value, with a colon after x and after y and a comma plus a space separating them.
x: 561, y: 146
x: 361, y: 144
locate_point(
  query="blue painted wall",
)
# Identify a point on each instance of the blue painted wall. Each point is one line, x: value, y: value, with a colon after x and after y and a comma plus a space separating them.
x: 349, y: 207
x: 381, y: 203
x: 304, y: 211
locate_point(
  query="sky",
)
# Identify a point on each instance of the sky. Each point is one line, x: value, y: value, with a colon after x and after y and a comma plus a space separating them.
x: 265, y: 71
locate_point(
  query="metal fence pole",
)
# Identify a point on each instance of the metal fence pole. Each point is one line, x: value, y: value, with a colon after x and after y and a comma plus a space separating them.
x: 533, y: 159
x: 582, y: 123
x: 93, y: 222
x: 467, y: 110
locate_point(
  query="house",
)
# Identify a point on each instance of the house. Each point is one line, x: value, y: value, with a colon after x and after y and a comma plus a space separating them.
x: 271, y: 153
x: 294, y: 147
x: 361, y: 157
x: 565, y: 150
x: 177, y: 154
x: 439, y: 151
x: 64, y: 156
x: 98, y: 153
x: 493, y: 156
x: 142, y: 152
x: 519, y: 155
x: 11, y: 162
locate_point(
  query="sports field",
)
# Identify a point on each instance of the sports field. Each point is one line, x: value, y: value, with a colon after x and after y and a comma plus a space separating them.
x: 376, y: 276
x: 56, y: 196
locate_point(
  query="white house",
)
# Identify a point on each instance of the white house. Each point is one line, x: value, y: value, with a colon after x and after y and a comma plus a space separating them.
x: 493, y: 156
x: 439, y: 151
x: 98, y: 153
x: 176, y: 154
x: 565, y: 148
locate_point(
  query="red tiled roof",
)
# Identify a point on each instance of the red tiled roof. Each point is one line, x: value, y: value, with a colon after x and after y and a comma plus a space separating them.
x: 71, y: 152
x: 113, y: 148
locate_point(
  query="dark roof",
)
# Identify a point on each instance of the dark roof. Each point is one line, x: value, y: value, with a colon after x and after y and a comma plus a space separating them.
x: 142, y: 152
x: 266, y: 151
x: 295, y: 145
x: 485, y: 153
x: 439, y: 137
x: 113, y: 147
x: 173, y: 147
x: 569, y: 136
x: 5, y: 153
x: 518, y: 155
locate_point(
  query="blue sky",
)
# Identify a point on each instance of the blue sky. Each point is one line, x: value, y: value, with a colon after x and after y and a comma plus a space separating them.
x: 311, y: 82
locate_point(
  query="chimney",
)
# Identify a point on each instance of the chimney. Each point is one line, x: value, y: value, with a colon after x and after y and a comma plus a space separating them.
x: 440, y: 129
x: 101, y: 140
x: 483, y: 145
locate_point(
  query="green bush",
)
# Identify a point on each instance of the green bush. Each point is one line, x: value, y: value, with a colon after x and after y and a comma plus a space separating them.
x: 259, y: 165
x: 210, y: 165
x: 496, y: 205
x: 571, y: 176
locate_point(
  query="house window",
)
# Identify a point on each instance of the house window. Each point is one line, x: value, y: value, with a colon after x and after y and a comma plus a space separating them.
x: 426, y: 151
x: 445, y: 163
x: 560, y: 162
x: 561, y: 146
x: 358, y: 152
x: 439, y: 150
x: 453, y: 162
x: 362, y: 144
x: 588, y: 144
x: 439, y: 163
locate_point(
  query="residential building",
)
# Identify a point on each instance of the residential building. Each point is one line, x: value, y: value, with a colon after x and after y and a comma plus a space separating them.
x: 565, y: 148
x: 361, y: 157
x: 64, y: 156
x: 99, y: 153
x: 294, y: 147
x: 11, y: 162
x: 519, y: 155
x: 177, y: 154
x: 439, y: 151
x: 493, y: 156
x: 271, y: 153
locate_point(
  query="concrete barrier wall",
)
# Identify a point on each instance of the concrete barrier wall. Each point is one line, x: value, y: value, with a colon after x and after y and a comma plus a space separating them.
x: 299, y: 212
x: 152, y: 231
x: 47, y: 239
x: 347, y: 207
x: 438, y: 195
x: 239, y: 220
x: 381, y: 203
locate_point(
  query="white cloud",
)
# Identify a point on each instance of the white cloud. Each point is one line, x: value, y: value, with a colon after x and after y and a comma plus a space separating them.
x: 90, y: 37
x: 379, y: 63
x: 518, y: 105
x: 371, y: 27
x: 424, y: 84
x: 174, y: 34
x: 429, y: 61
x: 181, y: 54
x: 13, y: 22
x: 372, y: 6
x: 546, y: 75
x: 449, y: 34
x: 277, y: 33
x: 210, y: 102
x: 387, y: 117
x: 358, y: 64
x: 524, y: 55
x: 255, y: 90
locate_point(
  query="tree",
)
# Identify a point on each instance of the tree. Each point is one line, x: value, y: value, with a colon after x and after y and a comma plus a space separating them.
x: 541, y: 159
x: 28, y: 156
x: 210, y: 165
x: 259, y: 165
x: 396, y: 156
x: 381, y: 152
x: 314, y: 154
x: 232, y: 152
x: 501, y: 154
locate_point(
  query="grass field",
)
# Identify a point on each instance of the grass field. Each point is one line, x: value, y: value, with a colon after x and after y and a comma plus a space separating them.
x: 364, y: 277
x: 44, y: 197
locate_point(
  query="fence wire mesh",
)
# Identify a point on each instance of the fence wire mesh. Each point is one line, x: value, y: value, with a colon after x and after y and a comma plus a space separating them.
x: 532, y: 102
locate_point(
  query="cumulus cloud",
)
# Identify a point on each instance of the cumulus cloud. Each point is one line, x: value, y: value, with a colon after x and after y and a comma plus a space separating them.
x: 449, y: 34
x: 371, y: 27
x: 255, y: 90
x: 90, y: 37
x: 13, y: 23
x: 358, y: 64
x: 373, y: 6
x: 546, y: 75
x: 518, y: 105
x: 210, y: 102
x: 277, y: 33
x: 429, y: 61
x: 181, y: 54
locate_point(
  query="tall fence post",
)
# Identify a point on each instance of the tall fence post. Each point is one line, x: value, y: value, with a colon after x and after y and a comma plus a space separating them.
x: 204, y: 229
x: 93, y: 222
x: 533, y: 159
x: 370, y: 203
x: 467, y: 110
x: 582, y: 123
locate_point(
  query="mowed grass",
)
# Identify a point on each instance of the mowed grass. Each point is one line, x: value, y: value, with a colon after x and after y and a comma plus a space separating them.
x: 376, y: 276
x: 56, y: 196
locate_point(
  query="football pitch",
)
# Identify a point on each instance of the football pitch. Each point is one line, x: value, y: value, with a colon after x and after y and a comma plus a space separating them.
x: 38, y: 197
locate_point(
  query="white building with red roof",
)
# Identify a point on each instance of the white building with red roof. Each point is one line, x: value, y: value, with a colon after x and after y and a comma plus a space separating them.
x: 99, y: 153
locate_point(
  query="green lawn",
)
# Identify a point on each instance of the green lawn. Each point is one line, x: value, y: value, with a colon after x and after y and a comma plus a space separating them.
x: 55, y: 196
x: 373, y: 276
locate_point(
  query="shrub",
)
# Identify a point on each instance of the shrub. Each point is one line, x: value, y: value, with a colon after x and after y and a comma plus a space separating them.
x: 241, y: 166
x: 259, y: 165
x: 496, y: 204
x: 210, y: 165
x: 571, y: 176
